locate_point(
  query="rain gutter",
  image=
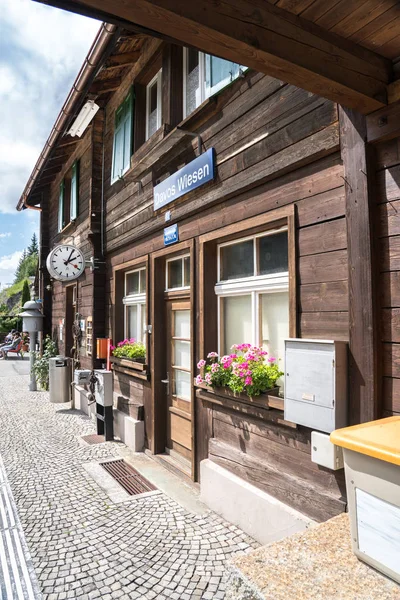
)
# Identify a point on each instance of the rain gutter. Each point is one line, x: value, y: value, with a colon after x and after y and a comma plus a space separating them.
x: 78, y: 91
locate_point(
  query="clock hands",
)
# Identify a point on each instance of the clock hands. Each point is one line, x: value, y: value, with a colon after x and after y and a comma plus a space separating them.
x: 70, y: 259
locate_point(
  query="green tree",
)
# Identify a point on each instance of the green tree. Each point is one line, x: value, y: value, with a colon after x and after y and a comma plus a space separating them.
x: 33, y: 246
x: 26, y: 267
x: 26, y: 295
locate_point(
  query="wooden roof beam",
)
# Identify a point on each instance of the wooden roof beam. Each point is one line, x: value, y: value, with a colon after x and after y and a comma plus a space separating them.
x: 261, y: 36
x: 105, y: 85
x: 122, y: 60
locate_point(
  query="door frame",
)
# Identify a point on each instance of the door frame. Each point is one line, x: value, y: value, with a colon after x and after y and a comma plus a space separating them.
x: 158, y: 342
x: 69, y: 291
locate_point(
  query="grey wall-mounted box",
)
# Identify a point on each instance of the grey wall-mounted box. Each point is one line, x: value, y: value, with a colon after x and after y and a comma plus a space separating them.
x: 316, y: 383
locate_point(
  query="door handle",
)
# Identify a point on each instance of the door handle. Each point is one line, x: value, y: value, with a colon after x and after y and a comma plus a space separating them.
x: 166, y: 381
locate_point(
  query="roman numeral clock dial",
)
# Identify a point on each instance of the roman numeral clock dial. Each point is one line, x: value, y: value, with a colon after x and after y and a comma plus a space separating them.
x: 65, y: 263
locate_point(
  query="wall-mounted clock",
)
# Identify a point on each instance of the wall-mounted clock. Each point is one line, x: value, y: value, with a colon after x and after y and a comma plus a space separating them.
x: 65, y: 262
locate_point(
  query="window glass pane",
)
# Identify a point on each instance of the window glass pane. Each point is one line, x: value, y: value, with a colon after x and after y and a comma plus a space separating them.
x: 131, y: 321
x: 153, y: 97
x: 182, y: 384
x: 275, y: 324
x: 182, y: 324
x: 182, y: 354
x: 237, y: 261
x: 127, y: 144
x: 186, y: 269
x: 153, y: 109
x: 236, y: 321
x: 118, y: 152
x: 132, y: 283
x: 143, y: 323
x: 220, y: 70
x: 273, y: 253
x: 175, y: 274
x: 193, y: 94
x: 142, y: 274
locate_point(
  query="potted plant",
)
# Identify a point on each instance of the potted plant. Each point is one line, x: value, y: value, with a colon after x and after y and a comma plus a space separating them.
x: 246, y: 373
x: 129, y: 353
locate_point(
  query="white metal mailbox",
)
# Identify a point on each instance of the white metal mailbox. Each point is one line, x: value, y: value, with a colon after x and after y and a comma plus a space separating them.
x: 104, y: 387
x: 316, y: 383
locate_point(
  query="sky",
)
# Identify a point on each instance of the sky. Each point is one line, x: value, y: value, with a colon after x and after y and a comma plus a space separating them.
x: 41, y: 51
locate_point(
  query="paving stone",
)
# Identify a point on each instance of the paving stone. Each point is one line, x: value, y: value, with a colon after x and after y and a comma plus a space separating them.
x: 82, y: 545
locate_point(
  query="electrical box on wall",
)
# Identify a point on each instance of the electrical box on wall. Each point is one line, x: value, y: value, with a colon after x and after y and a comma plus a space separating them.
x: 316, y: 383
x: 324, y: 453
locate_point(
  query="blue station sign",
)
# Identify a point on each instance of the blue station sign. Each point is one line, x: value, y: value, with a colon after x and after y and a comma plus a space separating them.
x: 171, y: 235
x: 198, y: 172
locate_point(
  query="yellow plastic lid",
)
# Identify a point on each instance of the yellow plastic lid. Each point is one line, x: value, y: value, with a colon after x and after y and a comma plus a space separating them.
x: 379, y: 439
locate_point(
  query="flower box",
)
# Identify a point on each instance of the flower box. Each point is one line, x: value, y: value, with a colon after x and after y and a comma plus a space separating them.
x: 268, y: 399
x: 137, y: 364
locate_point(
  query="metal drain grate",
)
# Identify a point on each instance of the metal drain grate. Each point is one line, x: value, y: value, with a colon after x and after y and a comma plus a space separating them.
x: 94, y: 438
x: 130, y: 479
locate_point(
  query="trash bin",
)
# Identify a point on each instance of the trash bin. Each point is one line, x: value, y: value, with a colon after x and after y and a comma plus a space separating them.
x: 372, y: 468
x: 60, y: 378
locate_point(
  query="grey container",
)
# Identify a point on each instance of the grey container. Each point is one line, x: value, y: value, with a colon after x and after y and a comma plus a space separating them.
x: 60, y: 378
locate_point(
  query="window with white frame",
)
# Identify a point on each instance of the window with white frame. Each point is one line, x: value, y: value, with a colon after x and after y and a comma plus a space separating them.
x: 135, y: 305
x: 253, y: 292
x: 153, y: 105
x: 203, y: 76
x: 89, y: 336
x: 177, y: 276
x: 122, y: 145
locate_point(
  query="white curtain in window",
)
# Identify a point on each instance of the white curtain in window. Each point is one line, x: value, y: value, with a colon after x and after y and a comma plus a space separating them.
x: 237, y: 321
x: 275, y: 325
x: 132, y: 321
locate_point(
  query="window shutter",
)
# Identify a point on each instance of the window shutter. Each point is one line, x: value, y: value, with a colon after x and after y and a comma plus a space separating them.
x: 128, y: 120
x: 74, y: 192
x: 61, y: 207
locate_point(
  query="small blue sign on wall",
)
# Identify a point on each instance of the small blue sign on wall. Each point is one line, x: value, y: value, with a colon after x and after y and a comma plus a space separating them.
x: 198, y: 172
x: 171, y: 234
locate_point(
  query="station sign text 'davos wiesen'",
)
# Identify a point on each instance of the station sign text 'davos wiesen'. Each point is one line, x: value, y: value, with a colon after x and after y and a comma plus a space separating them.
x: 198, y: 172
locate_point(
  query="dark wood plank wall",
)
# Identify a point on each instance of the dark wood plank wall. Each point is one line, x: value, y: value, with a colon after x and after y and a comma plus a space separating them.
x: 388, y: 199
x: 76, y: 234
x: 298, y: 163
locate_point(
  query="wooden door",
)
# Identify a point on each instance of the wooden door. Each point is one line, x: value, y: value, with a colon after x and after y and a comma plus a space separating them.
x: 179, y: 389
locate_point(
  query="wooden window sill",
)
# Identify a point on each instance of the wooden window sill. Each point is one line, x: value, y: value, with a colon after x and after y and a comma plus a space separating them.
x: 67, y: 227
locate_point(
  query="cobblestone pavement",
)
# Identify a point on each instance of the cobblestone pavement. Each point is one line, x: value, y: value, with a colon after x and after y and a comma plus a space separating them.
x: 82, y: 544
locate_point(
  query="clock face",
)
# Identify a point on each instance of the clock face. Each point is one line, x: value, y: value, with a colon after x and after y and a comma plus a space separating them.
x: 65, y: 263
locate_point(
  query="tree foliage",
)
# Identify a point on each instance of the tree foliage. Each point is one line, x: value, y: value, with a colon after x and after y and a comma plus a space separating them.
x: 33, y: 246
x: 28, y: 262
x: 26, y: 295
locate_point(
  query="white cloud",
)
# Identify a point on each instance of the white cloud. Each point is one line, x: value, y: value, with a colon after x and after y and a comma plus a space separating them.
x: 5, y: 235
x: 8, y: 265
x: 41, y: 51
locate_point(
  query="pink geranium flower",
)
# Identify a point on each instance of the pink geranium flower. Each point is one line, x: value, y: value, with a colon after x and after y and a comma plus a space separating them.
x: 199, y: 379
x: 212, y: 355
x: 201, y: 363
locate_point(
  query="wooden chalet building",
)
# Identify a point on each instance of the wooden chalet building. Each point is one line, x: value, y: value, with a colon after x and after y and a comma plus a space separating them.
x: 297, y: 235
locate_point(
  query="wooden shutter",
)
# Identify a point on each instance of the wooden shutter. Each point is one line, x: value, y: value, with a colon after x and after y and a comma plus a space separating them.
x: 61, y: 207
x: 74, y: 192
